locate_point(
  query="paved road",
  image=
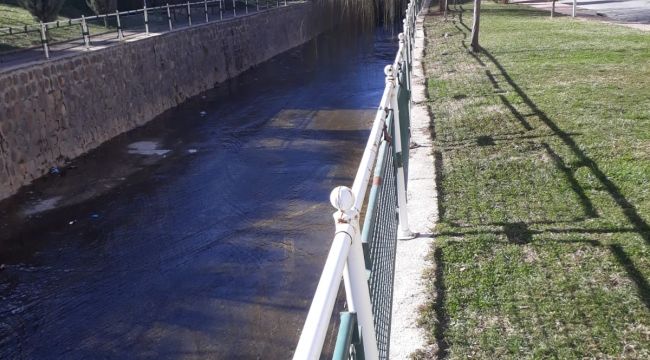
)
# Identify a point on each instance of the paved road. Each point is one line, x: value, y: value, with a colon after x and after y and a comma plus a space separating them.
x: 202, y: 234
x: 637, y: 11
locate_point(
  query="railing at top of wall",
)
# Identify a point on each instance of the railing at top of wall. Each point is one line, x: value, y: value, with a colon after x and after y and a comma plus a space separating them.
x: 365, y: 257
x: 101, y: 30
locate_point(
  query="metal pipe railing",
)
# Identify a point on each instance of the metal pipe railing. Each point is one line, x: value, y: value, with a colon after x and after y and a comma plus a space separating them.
x: 41, y: 31
x: 349, y: 203
x: 315, y: 329
x: 348, y: 337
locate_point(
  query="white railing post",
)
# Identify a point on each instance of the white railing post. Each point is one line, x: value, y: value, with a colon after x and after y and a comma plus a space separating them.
x: 355, y: 278
x: 146, y: 18
x: 573, y: 10
x: 234, y: 9
x: 189, y: 14
x: 169, y: 18
x: 205, y: 7
x: 46, y: 48
x: 84, y: 32
x: 403, y: 231
x: 120, y: 34
x: 313, y: 334
x: 407, y: 34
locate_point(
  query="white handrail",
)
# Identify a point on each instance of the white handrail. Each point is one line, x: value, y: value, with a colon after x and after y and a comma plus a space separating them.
x: 360, y: 184
x: 312, y: 338
x: 346, y: 255
x: 311, y: 341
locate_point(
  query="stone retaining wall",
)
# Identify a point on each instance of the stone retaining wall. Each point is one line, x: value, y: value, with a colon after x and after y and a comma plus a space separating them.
x: 57, y: 110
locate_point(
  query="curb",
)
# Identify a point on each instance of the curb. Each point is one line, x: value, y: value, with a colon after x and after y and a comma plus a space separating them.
x: 410, y: 291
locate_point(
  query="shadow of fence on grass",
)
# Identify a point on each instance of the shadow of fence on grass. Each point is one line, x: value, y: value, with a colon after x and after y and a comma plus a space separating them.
x: 628, y: 209
x: 520, y: 232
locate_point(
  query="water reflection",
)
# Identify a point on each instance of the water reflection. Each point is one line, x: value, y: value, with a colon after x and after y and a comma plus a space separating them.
x: 202, y: 234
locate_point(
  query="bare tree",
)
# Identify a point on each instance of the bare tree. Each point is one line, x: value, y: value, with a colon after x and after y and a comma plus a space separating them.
x: 475, y: 47
x: 100, y: 7
x: 43, y: 10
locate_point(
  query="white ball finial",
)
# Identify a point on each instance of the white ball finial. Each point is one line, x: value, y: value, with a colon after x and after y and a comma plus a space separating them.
x: 388, y: 70
x: 342, y: 198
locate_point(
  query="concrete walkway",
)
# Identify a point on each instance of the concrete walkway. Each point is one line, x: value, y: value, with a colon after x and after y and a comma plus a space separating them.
x: 410, y: 287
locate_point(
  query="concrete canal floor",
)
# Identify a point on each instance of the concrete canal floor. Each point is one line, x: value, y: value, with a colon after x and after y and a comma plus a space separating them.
x: 202, y: 234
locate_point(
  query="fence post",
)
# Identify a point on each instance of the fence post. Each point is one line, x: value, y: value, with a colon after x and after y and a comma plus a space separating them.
x: 220, y: 9
x: 234, y: 8
x: 189, y: 14
x: 403, y: 231
x: 85, y: 32
x: 257, y: 2
x: 205, y: 6
x: 355, y: 279
x: 246, y: 5
x: 406, y: 34
x: 169, y: 18
x: 120, y: 35
x: 553, y: 9
x: 146, y: 18
x: 407, y: 39
x: 573, y: 10
x: 46, y: 49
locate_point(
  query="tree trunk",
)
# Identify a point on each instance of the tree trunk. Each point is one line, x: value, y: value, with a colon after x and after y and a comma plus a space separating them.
x: 446, y: 7
x: 475, y: 47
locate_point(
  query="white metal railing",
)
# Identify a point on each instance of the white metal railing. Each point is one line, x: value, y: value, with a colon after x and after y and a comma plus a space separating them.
x: 346, y: 256
x: 166, y: 18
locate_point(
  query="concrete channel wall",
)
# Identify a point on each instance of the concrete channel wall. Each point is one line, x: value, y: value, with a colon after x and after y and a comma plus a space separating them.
x: 56, y: 110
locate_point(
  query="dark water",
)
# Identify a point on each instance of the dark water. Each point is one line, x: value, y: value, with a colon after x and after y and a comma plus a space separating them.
x: 198, y: 235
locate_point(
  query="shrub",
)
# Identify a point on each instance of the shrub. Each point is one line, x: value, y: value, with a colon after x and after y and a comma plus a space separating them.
x: 43, y: 10
x: 102, y: 6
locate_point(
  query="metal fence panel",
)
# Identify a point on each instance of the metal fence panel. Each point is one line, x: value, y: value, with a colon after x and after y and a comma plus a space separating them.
x: 380, y: 232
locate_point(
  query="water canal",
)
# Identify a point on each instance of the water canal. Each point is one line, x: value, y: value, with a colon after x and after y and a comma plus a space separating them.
x: 201, y: 234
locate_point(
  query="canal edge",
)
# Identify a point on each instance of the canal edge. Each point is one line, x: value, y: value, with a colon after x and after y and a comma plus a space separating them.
x: 410, y: 288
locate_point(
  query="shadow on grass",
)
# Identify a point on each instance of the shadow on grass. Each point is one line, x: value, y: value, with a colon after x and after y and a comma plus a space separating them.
x: 628, y: 209
x: 519, y: 232
x: 633, y: 273
x: 641, y: 227
x: 442, y: 318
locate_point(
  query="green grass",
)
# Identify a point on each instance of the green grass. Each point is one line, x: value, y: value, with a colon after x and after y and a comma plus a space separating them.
x: 542, y: 144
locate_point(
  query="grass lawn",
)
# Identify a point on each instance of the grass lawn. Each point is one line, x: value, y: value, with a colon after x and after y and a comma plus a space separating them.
x: 542, y: 145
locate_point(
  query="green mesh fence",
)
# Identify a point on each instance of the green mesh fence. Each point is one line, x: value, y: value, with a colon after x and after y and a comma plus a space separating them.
x: 380, y: 239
